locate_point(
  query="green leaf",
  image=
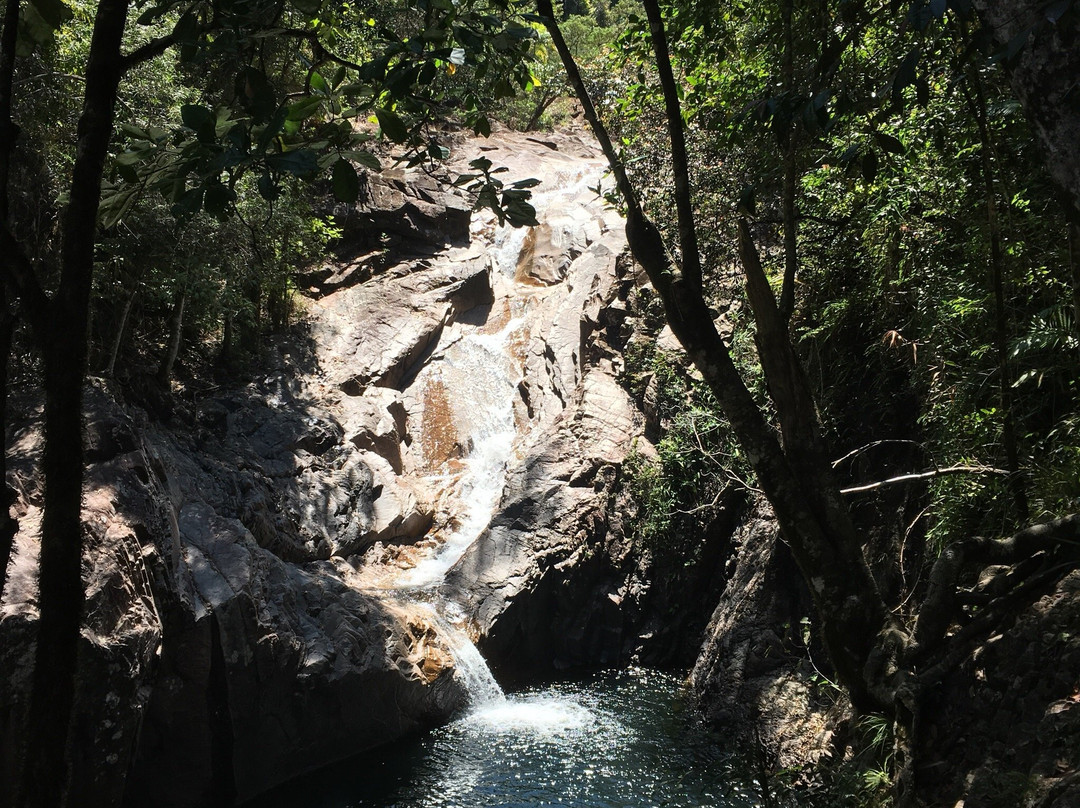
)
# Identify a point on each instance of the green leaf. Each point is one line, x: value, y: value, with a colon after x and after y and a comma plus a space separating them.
x: 268, y: 189
x: 217, y: 200
x: 364, y: 158
x: 257, y: 95
x: 33, y: 31
x: 300, y: 162
x: 200, y: 120
x: 189, y: 203
x: 870, y: 166
x: 482, y: 126
x: 392, y: 126
x: 307, y: 7
x: 345, y: 182
x: 889, y: 143
x: 905, y: 76
x: 304, y: 108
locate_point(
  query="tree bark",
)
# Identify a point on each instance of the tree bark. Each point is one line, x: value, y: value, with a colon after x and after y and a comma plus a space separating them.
x: 852, y: 612
x: 176, y: 330
x: 1043, y: 77
x: 62, y: 335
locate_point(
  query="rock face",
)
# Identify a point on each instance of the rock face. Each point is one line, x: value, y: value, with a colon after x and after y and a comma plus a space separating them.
x: 755, y: 674
x: 242, y: 557
x: 554, y: 581
x: 228, y: 668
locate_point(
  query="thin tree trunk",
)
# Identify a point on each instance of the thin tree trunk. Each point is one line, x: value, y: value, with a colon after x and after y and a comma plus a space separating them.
x: 176, y: 330
x: 539, y: 110
x: 226, y: 353
x: 1001, y: 317
x: 684, y: 198
x: 8, y: 133
x: 114, y: 352
x: 62, y: 335
x: 8, y: 526
x: 787, y: 201
x: 853, y: 613
x: 1074, y: 264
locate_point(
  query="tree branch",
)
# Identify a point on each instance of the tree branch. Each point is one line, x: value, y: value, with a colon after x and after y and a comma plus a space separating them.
x: 146, y: 52
x: 684, y: 204
x: 923, y: 475
x: 320, y: 51
x: 874, y: 445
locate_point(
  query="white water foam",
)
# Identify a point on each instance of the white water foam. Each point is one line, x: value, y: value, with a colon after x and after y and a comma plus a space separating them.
x: 538, y: 715
x: 478, y: 371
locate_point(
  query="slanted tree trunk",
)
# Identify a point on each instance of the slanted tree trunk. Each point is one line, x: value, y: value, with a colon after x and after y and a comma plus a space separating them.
x: 796, y: 478
x: 176, y: 331
x: 539, y: 110
x: 114, y: 351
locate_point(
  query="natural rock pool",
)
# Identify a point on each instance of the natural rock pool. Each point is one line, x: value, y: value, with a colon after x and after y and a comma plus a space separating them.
x: 618, y: 739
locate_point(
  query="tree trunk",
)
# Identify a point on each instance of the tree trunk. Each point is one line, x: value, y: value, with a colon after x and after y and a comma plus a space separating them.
x: 787, y: 201
x: 538, y: 111
x: 176, y: 330
x: 1043, y: 76
x: 8, y: 133
x: 806, y: 503
x: 62, y: 336
x: 8, y: 526
x: 225, y: 355
x: 977, y: 103
x: 1074, y: 265
x: 114, y: 351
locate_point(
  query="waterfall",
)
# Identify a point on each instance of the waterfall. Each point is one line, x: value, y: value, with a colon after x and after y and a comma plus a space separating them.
x: 469, y: 664
x: 478, y: 380
x: 478, y: 371
x: 465, y: 410
x: 475, y: 674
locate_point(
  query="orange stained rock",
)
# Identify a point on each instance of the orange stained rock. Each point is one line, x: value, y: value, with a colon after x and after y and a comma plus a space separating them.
x: 438, y: 433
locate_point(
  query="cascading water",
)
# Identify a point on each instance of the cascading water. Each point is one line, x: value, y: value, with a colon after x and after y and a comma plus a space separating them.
x: 477, y: 372
x: 617, y: 739
x: 476, y: 378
